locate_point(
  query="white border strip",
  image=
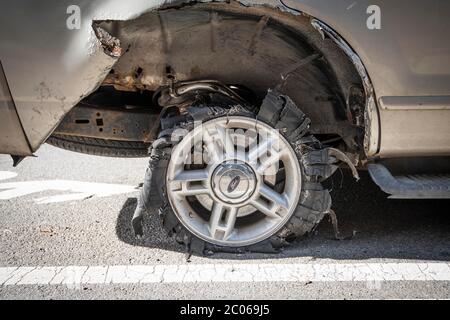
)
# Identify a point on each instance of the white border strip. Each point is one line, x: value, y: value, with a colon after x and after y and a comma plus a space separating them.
x: 133, y: 274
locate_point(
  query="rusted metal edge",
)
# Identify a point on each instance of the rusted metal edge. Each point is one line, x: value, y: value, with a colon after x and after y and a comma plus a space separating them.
x: 111, y: 45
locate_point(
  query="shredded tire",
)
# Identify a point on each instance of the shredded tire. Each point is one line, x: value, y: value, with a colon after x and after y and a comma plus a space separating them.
x: 100, y: 147
x: 280, y: 112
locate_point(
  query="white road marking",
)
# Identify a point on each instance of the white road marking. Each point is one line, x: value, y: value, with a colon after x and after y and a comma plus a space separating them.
x: 79, y: 190
x: 4, y: 175
x: 191, y: 273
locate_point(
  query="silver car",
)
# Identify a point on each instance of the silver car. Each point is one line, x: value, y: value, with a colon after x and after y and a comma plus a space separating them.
x: 244, y: 107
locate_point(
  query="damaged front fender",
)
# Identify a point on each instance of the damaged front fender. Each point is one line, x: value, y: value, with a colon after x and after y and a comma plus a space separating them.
x: 50, y: 67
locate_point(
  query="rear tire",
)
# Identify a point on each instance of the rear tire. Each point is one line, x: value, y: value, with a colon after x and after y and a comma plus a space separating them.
x: 314, y: 202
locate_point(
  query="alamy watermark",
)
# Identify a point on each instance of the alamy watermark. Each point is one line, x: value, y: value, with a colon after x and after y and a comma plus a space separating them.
x: 208, y: 144
x: 374, y: 19
x: 73, y: 21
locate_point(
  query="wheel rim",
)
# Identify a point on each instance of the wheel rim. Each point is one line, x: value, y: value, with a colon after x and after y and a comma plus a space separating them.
x: 233, y: 181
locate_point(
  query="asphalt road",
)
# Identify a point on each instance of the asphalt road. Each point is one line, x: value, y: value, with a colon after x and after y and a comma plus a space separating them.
x: 68, y: 210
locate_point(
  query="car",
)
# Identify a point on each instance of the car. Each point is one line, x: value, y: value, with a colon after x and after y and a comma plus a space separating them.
x: 245, y: 108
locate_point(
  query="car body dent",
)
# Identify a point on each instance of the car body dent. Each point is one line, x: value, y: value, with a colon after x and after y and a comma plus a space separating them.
x: 50, y: 68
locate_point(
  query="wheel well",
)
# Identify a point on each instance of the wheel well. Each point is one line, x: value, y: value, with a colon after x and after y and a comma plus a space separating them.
x: 258, y: 48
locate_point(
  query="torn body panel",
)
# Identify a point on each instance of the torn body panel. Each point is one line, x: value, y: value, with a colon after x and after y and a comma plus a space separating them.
x: 50, y: 68
x: 253, y: 47
x: 12, y: 137
x: 59, y: 67
x: 371, y: 116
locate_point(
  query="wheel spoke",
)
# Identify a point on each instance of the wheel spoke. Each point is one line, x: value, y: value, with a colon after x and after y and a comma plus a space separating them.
x: 214, y: 151
x: 187, y: 190
x: 183, y: 183
x: 277, y: 199
x: 268, y: 162
x: 221, y: 226
x: 192, y: 175
x: 227, y: 141
x: 265, y: 208
x: 259, y: 150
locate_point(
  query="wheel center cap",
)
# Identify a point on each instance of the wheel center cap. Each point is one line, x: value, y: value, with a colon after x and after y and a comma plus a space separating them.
x: 233, y: 182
